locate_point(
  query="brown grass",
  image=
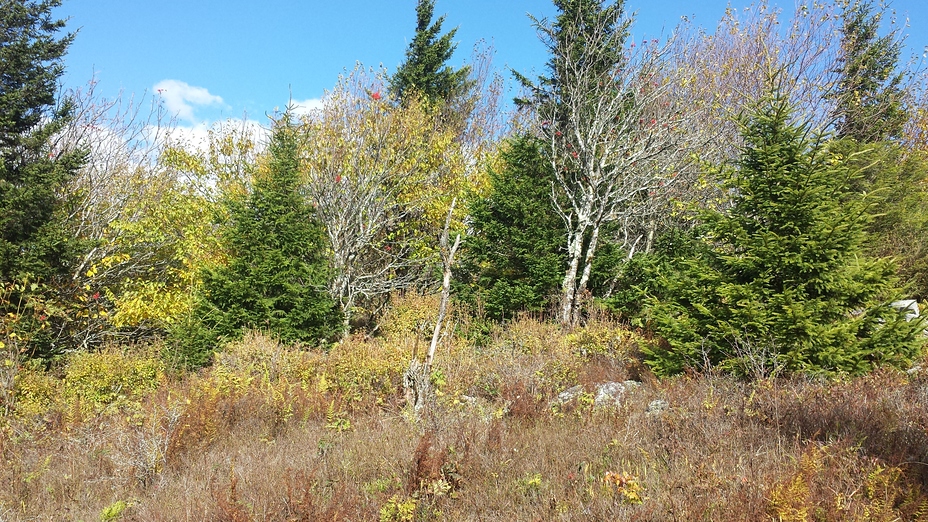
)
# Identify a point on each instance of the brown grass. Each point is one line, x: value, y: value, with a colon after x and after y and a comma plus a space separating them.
x: 274, y: 433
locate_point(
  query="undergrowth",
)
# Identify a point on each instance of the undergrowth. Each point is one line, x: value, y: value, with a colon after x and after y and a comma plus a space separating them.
x: 274, y: 432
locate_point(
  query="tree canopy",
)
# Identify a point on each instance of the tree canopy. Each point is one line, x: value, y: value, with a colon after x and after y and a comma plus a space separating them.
x: 870, y: 105
x: 276, y: 275
x: 425, y: 71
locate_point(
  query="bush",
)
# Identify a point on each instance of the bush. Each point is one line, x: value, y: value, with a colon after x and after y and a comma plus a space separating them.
x: 95, y: 380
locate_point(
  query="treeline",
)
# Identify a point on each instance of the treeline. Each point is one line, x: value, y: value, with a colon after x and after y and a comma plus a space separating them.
x: 754, y: 198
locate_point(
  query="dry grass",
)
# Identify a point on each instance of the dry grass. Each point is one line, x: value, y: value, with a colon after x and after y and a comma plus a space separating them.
x: 274, y: 433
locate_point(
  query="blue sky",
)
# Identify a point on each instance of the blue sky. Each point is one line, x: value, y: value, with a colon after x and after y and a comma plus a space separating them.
x: 215, y: 59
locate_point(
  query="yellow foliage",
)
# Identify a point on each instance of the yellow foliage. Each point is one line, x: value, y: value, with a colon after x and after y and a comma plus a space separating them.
x: 531, y: 484
x: 365, y: 368
x: 399, y: 510
x: 164, y: 235
x: 354, y: 370
x: 624, y: 486
x: 411, y: 315
x: 789, y: 501
x: 418, y: 161
x: 600, y: 338
x: 35, y: 392
x: 110, y: 378
x: 262, y: 358
x: 802, y: 497
x: 152, y: 301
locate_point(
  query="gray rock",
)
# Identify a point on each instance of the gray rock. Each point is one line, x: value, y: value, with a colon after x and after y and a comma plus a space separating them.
x: 569, y: 394
x: 609, y: 394
x: 657, y: 407
x: 909, y: 306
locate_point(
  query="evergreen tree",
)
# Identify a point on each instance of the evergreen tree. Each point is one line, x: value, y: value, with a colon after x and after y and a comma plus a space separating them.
x: 513, y: 260
x: 780, y: 280
x: 897, y: 180
x: 276, y: 275
x: 425, y: 71
x: 581, y: 26
x: 37, y: 253
x: 869, y: 97
x: 33, y: 242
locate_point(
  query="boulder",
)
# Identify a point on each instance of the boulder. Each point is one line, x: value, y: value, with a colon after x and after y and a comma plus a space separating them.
x: 910, y: 306
x: 569, y: 395
x: 657, y: 407
x: 609, y: 394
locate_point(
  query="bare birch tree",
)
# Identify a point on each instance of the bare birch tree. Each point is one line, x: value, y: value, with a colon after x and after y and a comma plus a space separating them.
x: 614, y: 135
x: 362, y: 161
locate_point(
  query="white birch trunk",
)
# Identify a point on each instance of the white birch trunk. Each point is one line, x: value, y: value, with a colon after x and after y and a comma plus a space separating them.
x: 587, y: 269
x: 569, y: 286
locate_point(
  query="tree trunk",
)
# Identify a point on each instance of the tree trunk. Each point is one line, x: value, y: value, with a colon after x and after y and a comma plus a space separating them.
x: 569, y: 286
x: 416, y: 385
x: 417, y: 389
x: 445, y: 295
x: 587, y: 269
x: 651, y: 228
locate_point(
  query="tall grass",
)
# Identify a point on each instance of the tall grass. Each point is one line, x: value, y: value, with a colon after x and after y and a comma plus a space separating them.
x: 272, y: 432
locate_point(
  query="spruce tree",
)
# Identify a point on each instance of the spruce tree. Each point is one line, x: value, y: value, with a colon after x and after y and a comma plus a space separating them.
x: 580, y: 26
x: 33, y: 241
x: 425, y: 71
x: 513, y: 260
x: 869, y: 97
x: 37, y: 253
x: 897, y: 180
x: 276, y: 276
x: 780, y: 281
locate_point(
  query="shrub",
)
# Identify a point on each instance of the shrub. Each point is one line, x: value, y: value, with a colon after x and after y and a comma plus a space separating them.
x: 111, y: 377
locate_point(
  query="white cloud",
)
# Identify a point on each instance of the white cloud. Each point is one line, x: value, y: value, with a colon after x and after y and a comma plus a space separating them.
x: 190, y: 137
x: 180, y: 98
x: 308, y: 106
x: 196, y: 137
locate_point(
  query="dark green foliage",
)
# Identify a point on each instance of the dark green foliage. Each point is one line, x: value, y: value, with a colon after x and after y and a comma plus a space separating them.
x: 514, y: 260
x: 276, y: 274
x: 581, y: 26
x: 36, y: 250
x: 869, y: 98
x: 425, y: 71
x: 33, y: 242
x: 30, y: 54
x: 639, y: 277
x: 897, y: 181
x: 780, y: 282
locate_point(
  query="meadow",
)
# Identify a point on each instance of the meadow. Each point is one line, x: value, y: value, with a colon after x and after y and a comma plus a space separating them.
x: 276, y: 432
